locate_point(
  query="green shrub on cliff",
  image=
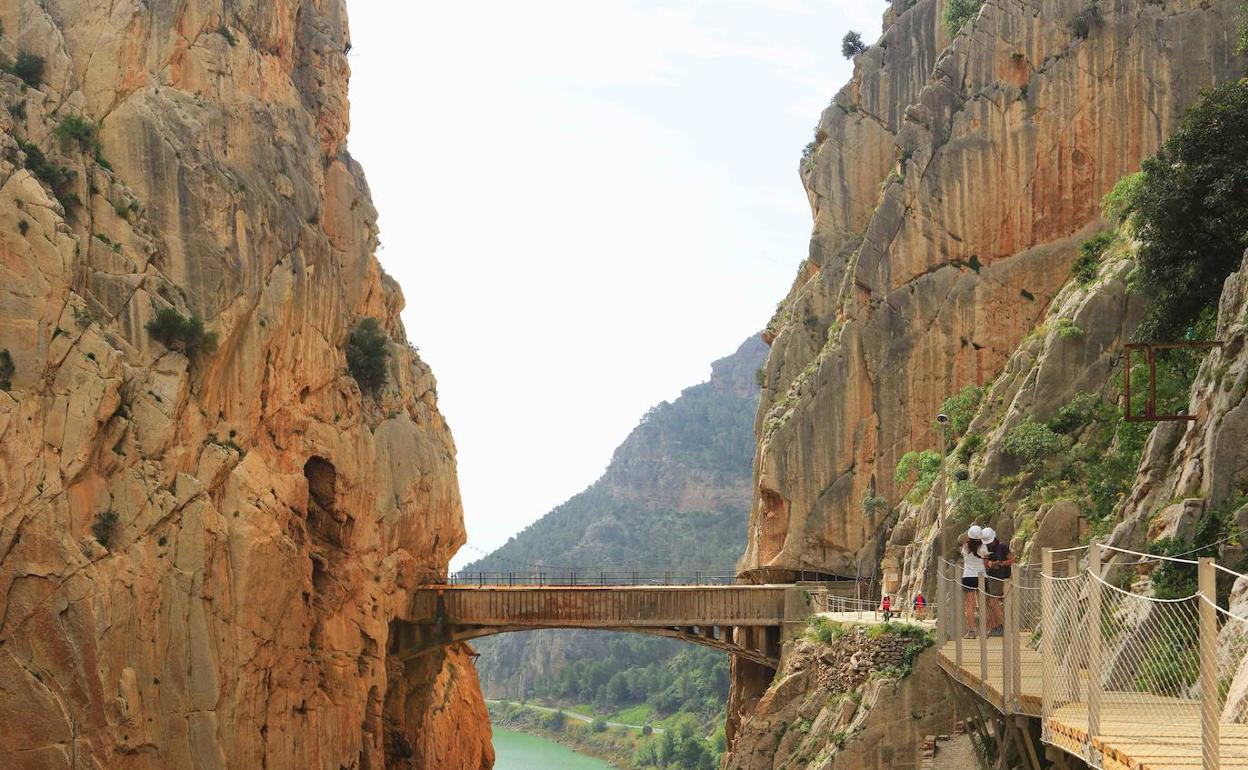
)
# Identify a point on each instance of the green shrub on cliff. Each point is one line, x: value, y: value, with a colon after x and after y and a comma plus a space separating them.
x: 1241, y: 38
x: 367, y: 354
x: 960, y: 408
x: 1088, y: 263
x: 29, y: 68
x: 1191, y: 212
x: 177, y: 332
x: 973, y: 504
x: 103, y: 527
x: 1081, y: 24
x: 1119, y: 202
x: 85, y: 133
x: 57, y: 177
x: 919, y: 469
x: 852, y: 45
x: 1032, y: 442
x: 957, y: 13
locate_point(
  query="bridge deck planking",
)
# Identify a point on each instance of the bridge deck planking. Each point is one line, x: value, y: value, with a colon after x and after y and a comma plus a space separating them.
x: 1170, y: 740
x: 1029, y: 665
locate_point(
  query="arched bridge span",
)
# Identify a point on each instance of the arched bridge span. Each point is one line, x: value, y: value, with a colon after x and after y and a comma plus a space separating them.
x: 749, y: 621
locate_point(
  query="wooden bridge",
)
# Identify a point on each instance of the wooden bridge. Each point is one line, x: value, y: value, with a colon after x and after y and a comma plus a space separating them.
x: 1085, y: 673
x: 749, y: 621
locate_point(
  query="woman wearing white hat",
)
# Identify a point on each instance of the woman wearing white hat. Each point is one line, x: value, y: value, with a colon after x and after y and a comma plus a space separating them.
x: 973, y: 553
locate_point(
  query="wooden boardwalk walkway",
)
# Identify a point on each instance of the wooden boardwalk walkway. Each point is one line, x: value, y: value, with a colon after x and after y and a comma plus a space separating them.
x: 1138, y: 731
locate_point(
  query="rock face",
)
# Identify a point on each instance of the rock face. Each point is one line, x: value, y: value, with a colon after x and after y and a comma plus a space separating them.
x: 952, y: 184
x: 950, y: 188
x: 839, y: 708
x: 201, y: 555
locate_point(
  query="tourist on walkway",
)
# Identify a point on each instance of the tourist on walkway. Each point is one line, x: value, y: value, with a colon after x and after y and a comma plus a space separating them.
x: 998, y: 563
x: 973, y: 553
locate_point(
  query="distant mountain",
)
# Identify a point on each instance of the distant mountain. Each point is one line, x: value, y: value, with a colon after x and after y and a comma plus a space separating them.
x: 676, y: 496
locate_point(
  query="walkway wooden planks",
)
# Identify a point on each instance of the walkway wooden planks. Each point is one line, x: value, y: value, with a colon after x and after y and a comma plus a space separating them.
x: 1138, y: 731
x: 1029, y: 663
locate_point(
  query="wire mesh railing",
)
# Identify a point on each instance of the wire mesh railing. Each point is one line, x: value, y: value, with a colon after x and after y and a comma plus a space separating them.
x: 1127, y: 666
x: 1118, y: 659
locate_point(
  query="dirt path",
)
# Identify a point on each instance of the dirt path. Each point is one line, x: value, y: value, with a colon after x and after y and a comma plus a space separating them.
x: 571, y: 714
x: 957, y: 753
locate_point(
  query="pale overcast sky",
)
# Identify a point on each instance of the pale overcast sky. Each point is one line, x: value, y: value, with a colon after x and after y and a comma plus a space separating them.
x: 585, y: 202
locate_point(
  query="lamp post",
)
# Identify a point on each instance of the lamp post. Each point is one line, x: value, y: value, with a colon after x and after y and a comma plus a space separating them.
x: 943, y: 421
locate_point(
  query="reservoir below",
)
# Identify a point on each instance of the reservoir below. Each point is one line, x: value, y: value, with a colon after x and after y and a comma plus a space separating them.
x: 519, y: 751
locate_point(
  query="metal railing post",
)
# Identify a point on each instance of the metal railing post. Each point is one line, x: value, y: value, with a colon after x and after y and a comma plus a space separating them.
x: 959, y: 621
x: 1095, y: 642
x: 981, y: 600
x: 1210, y: 731
x: 1046, y: 634
x: 1008, y: 640
x: 942, y: 625
x: 1016, y: 642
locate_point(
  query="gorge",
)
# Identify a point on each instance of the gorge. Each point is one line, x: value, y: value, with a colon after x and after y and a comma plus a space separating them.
x: 224, y: 473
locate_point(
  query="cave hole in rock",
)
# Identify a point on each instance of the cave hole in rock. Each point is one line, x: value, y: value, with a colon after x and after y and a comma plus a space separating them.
x: 329, y: 532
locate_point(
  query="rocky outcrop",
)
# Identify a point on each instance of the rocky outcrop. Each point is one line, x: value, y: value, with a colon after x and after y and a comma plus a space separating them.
x: 201, y: 551
x: 1191, y: 469
x: 1072, y: 356
x: 951, y: 188
x: 845, y: 707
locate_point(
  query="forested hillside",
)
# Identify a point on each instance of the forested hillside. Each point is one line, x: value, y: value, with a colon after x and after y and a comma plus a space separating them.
x: 675, y: 497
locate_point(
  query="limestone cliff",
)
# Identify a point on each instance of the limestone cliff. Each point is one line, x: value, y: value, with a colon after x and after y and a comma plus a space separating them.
x: 950, y: 188
x: 851, y: 705
x: 201, y: 551
x: 953, y: 183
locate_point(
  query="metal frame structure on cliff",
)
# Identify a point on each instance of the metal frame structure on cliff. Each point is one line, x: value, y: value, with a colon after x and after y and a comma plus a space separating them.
x: 1150, y: 353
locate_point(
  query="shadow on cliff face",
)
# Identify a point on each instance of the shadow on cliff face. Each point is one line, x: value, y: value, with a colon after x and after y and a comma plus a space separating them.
x: 328, y: 542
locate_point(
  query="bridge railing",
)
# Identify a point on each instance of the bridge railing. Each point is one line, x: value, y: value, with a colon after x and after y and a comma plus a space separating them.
x: 589, y: 577
x: 575, y: 578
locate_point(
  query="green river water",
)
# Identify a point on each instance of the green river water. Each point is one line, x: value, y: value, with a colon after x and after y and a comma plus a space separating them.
x: 517, y: 751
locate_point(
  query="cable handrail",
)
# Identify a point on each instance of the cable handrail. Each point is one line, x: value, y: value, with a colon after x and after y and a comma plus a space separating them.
x: 1229, y: 571
x: 1125, y: 592
x: 1077, y: 576
x: 1150, y: 556
x: 1106, y: 654
x: 1227, y: 613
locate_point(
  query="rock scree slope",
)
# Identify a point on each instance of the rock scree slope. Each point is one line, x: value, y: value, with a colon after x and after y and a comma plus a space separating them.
x: 201, y: 551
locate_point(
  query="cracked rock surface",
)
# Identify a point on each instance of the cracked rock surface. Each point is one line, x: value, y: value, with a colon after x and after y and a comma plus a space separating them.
x: 201, y: 555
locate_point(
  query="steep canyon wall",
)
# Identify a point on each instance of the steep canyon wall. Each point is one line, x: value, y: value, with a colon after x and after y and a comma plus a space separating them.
x: 952, y: 183
x: 201, y: 552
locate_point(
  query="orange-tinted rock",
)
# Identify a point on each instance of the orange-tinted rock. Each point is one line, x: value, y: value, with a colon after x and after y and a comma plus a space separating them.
x: 200, y: 558
x: 950, y: 196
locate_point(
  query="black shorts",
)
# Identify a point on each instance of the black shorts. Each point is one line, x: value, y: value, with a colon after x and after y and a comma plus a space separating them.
x: 970, y: 584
